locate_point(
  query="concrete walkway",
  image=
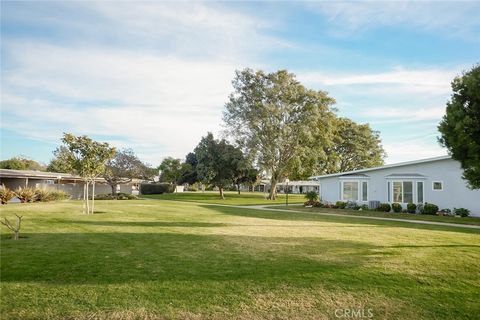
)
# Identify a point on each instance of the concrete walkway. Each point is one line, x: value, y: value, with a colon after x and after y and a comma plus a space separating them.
x: 269, y: 208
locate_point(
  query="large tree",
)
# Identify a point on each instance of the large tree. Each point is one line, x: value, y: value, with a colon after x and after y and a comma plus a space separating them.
x: 282, y: 125
x: 21, y: 163
x: 217, y: 162
x: 122, y: 168
x: 189, y: 175
x: 355, y: 146
x: 86, y: 158
x: 60, y: 162
x: 460, y: 126
x: 173, y: 170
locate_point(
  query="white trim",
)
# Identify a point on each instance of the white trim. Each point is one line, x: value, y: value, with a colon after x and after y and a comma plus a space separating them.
x: 361, y: 192
x: 341, y: 190
x: 414, y: 195
x: 382, y: 167
x: 437, y: 181
x: 423, y: 191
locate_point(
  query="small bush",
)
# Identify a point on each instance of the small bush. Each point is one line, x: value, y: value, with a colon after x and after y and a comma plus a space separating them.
x: 43, y: 195
x: 118, y: 196
x: 192, y: 187
x: 429, y: 208
x: 6, y: 194
x: 25, y: 194
x: 58, y: 195
x: 156, y: 188
x: 352, y: 205
x: 340, y: 204
x: 384, y: 207
x: 318, y: 204
x: 311, y: 196
x: 364, y: 207
x: 396, y: 207
x: 411, y: 207
x: 461, y: 212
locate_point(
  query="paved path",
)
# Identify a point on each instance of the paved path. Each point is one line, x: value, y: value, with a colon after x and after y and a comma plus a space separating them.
x: 269, y: 208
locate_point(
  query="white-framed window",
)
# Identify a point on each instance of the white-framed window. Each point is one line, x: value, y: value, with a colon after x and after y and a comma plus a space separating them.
x: 437, y: 185
x: 354, y: 190
x: 420, y: 191
x: 364, y: 190
x: 403, y: 192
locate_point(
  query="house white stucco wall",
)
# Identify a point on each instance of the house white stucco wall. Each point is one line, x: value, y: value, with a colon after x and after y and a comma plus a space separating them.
x: 455, y: 192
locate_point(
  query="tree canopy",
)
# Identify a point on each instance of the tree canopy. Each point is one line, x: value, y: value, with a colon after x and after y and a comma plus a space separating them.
x: 122, y: 168
x: 355, y: 146
x: 218, y: 162
x: 460, y: 126
x: 173, y: 170
x: 283, y: 126
x: 21, y: 163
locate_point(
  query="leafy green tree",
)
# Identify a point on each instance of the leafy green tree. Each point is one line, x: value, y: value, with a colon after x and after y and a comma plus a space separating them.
x: 460, y: 126
x: 86, y: 158
x: 60, y: 163
x: 355, y: 146
x: 189, y: 175
x: 122, y: 168
x: 21, y: 163
x: 283, y: 126
x: 217, y: 162
x: 173, y: 170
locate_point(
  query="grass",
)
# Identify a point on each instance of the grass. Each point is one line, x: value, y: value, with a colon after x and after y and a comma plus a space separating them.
x: 231, y: 198
x: 150, y: 259
x: 407, y: 216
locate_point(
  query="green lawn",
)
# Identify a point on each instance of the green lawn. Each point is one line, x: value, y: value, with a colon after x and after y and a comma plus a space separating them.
x: 231, y: 198
x: 149, y: 259
x: 407, y: 216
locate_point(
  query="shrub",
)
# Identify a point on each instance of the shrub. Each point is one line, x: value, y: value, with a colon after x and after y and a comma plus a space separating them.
x: 192, y: 187
x: 429, y: 208
x: 25, y: 194
x: 411, y: 207
x: 396, y: 207
x: 419, y: 208
x: 384, y: 207
x: 340, y: 204
x: 156, y: 188
x: 118, y: 196
x: 43, y: 195
x: 461, y: 212
x: 6, y: 194
x: 363, y: 207
x: 352, y: 205
x: 311, y: 196
x: 58, y: 195
x: 317, y: 204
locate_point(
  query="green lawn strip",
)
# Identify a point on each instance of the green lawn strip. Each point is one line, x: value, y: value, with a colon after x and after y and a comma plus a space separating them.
x: 140, y: 259
x: 231, y: 198
x: 370, y: 213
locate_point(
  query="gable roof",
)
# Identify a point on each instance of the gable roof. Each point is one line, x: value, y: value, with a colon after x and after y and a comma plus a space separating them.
x: 393, y: 165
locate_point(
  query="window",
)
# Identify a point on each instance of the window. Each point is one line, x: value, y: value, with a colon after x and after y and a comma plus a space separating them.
x: 419, y: 191
x: 402, y: 191
x: 364, y: 191
x: 407, y: 191
x: 437, y: 185
x: 350, y: 191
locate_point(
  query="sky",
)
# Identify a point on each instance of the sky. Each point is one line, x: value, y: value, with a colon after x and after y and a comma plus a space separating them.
x: 154, y: 76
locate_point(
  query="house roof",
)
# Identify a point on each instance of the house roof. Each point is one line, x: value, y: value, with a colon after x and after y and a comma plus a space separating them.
x: 34, y: 174
x: 394, y: 165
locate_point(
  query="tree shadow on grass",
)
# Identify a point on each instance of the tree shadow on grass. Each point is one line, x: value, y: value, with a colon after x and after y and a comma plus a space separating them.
x: 185, y: 224
x: 140, y: 257
x: 300, y: 216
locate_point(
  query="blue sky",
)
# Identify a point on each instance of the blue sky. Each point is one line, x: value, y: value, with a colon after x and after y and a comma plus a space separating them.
x: 154, y: 76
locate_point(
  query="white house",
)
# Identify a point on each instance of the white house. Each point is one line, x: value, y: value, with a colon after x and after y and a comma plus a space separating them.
x: 435, y: 180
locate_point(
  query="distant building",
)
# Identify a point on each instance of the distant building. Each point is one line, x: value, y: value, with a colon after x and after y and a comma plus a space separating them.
x: 434, y: 180
x: 71, y: 184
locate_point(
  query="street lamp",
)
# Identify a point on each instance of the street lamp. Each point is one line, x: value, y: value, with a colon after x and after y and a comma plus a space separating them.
x: 286, y: 199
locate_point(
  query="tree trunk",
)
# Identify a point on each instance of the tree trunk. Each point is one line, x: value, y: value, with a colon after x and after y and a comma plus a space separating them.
x: 87, y: 200
x: 16, y: 235
x: 84, y: 199
x: 221, y: 193
x: 93, y: 197
x: 114, y: 189
x: 273, y: 189
x: 238, y: 188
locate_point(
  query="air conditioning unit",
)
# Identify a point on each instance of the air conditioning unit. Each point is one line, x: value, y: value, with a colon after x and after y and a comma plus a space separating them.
x: 373, y: 204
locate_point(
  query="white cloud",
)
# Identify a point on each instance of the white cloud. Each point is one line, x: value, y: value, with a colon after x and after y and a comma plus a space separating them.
x: 401, y: 114
x: 412, y: 150
x: 458, y: 19
x: 151, y: 76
